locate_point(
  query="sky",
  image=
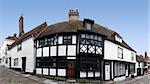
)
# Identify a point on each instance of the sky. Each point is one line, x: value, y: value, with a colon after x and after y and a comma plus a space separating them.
x: 127, y: 17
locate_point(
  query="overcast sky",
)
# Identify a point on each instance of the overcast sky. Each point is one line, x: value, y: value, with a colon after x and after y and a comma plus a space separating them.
x: 127, y: 17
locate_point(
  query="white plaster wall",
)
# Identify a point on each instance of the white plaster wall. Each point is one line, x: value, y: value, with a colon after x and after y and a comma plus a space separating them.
x: 71, y: 50
x: 45, y: 71
x: 62, y: 50
x: 53, y: 51
x: 52, y: 72
x: 97, y: 74
x: 39, y: 52
x: 111, y: 52
x: 60, y: 39
x: 90, y: 74
x: 82, y: 74
x: 61, y: 72
x: 38, y: 71
x: 3, y: 48
x: 73, y: 39
x: 45, y: 51
x: 27, y: 51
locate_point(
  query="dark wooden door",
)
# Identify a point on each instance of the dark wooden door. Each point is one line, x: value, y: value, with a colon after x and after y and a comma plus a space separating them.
x: 70, y: 69
x: 23, y: 64
x: 9, y: 62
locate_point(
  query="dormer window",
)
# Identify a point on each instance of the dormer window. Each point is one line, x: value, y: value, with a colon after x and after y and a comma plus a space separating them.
x: 88, y: 24
x: 118, y: 38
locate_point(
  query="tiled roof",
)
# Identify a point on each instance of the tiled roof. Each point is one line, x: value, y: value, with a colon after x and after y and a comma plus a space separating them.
x: 34, y: 32
x: 11, y: 37
x: 140, y: 58
x: 74, y: 26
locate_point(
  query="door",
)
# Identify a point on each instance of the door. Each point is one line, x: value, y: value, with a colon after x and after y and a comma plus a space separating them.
x: 70, y: 69
x: 107, y: 72
x: 127, y: 70
x: 9, y: 62
x: 23, y: 64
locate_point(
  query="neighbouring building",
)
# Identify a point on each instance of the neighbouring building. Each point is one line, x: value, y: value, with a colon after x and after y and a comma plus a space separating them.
x: 146, y: 63
x: 4, y: 48
x: 140, y: 65
x: 21, y: 53
x: 72, y: 49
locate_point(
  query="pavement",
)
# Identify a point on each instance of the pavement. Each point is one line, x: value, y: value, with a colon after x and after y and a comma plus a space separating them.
x: 9, y: 76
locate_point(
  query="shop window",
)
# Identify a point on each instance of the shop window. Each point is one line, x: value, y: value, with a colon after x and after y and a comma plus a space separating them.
x: 90, y: 64
x: 119, y: 69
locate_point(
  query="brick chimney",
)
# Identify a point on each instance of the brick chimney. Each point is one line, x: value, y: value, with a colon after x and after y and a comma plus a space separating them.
x: 21, y: 25
x: 73, y: 14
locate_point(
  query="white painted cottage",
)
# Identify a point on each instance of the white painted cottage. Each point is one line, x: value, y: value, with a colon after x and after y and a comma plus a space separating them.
x: 21, y: 54
x: 4, y: 48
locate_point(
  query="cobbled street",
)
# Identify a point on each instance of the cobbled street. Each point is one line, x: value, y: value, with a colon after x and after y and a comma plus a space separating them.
x: 8, y: 76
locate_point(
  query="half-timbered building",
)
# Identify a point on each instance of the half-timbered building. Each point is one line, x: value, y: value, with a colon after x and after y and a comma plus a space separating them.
x: 83, y: 49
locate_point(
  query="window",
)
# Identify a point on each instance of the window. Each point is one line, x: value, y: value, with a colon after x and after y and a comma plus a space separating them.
x: 120, y: 53
x: 61, y: 62
x: 45, y: 62
x: 91, y: 39
x: 119, y: 68
x: 67, y: 40
x: 19, y: 47
x: 89, y: 64
x: 47, y: 41
x: 88, y: 26
x: 132, y: 56
x: 51, y: 62
x: 16, y: 62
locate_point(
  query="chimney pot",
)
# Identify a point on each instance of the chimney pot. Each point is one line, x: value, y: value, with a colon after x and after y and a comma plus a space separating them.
x: 73, y: 14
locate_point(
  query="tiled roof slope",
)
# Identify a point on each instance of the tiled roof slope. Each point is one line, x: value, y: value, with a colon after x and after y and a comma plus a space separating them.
x: 34, y: 32
x: 74, y: 26
x: 139, y: 58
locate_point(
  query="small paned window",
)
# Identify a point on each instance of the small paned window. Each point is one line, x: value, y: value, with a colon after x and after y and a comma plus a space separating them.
x: 16, y: 62
x: 91, y: 39
x: 47, y: 42
x: 67, y: 40
x: 120, y: 53
x: 132, y: 56
x: 19, y: 47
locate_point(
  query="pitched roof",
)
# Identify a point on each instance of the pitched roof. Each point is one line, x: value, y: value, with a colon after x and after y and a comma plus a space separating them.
x: 140, y: 58
x: 74, y: 26
x: 33, y: 33
x: 11, y: 37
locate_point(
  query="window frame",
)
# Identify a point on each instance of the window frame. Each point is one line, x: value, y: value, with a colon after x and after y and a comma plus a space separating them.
x: 120, y: 52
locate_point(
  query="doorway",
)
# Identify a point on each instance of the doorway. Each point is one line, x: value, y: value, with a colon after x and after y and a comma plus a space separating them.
x: 9, y: 62
x: 23, y: 64
x: 71, y: 69
x: 107, y: 71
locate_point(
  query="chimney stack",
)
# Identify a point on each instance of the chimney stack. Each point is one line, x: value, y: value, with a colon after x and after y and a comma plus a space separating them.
x: 73, y: 15
x: 21, y: 25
